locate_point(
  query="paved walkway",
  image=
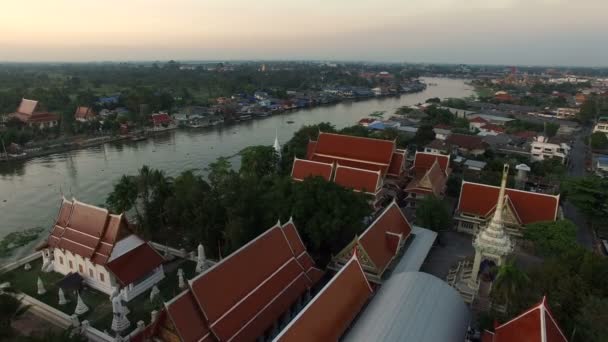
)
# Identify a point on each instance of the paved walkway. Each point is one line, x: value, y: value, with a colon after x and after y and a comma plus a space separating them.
x: 452, y: 247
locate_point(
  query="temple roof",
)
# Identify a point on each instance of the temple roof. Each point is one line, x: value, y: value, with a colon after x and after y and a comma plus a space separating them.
x: 433, y: 181
x: 135, y: 263
x: 358, y: 179
x: 535, y: 325
x: 27, y: 107
x: 423, y: 161
x: 397, y: 162
x: 307, y: 168
x: 161, y: 118
x: 480, y: 200
x: 83, y: 112
x: 333, y: 309
x: 29, y: 111
x: 242, y: 296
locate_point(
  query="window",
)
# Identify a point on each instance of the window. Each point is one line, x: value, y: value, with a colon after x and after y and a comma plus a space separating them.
x: 61, y: 260
x: 101, y: 277
x: 80, y: 269
x: 91, y: 273
x: 71, y: 265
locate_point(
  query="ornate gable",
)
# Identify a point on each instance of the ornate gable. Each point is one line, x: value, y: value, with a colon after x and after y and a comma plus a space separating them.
x: 347, y: 252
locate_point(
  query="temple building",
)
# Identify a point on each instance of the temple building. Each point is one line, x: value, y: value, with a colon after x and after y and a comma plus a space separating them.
x: 379, y: 245
x: 30, y: 112
x: 429, y: 174
x: 361, y: 164
x: 247, y: 296
x: 478, y: 202
x: 102, y: 250
x: 84, y: 114
x: 535, y: 325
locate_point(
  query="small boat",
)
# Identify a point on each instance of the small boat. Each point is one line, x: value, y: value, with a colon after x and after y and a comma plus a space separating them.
x: 290, y: 121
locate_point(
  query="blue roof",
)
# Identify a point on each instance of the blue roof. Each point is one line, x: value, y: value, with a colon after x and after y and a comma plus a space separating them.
x: 377, y: 125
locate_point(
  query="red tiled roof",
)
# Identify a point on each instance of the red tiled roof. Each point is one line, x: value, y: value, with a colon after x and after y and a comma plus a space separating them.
x: 480, y: 199
x: 397, y: 162
x: 333, y: 309
x: 161, y: 118
x: 443, y: 126
x: 84, y: 113
x: 526, y: 134
x: 135, y: 264
x: 29, y: 112
x: 358, y: 179
x: 88, y: 231
x: 310, y: 149
x: 494, y: 128
x: 478, y: 119
x: 374, y: 239
x: 433, y: 181
x: 530, y: 326
x: 187, y: 318
x: 469, y: 142
x: 343, y: 147
x: 423, y: 161
x: 307, y: 168
x: 243, y: 295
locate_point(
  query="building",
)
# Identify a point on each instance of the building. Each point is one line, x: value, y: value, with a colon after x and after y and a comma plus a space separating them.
x: 477, y: 203
x: 535, y: 325
x: 601, y: 166
x: 437, y: 147
x: 361, y: 164
x: 580, y: 99
x: 601, y: 125
x: 503, y: 96
x: 466, y: 144
x: 245, y: 296
x: 491, y: 129
x: 101, y: 249
x: 331, y: 312
x: 567, y: 113
x: 379, y: 245
x: 84, y: 114
x: 476, y: 123
x: 30, y: 112
x: 442, y: 132
x: 429, y: 174
x: 162, y: 122
x: 549, y: 148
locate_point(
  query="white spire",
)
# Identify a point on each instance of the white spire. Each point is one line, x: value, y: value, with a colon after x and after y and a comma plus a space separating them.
x: 81, y: 307
x: 277, y: 146
x: 493, y: 237
x: 200, y: 259
x: 62, y: 300
x: 41, y: 289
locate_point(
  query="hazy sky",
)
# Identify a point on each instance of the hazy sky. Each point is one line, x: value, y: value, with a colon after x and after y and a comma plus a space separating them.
x: 548, y: 32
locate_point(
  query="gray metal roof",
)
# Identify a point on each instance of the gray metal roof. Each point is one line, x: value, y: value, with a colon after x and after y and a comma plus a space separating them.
x: 412, y: 307
x: 416, y: 252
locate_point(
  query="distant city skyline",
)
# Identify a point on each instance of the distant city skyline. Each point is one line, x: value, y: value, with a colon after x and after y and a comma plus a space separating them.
x: 506, y: 32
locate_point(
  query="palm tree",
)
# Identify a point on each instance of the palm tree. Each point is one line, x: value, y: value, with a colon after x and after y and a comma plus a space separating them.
x: 509, y: 281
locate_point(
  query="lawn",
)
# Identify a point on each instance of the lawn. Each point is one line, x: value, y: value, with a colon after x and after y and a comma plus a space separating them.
x: 100, y: 307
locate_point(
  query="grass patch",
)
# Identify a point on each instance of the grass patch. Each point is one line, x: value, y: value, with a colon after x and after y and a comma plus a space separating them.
x: 15, y: 240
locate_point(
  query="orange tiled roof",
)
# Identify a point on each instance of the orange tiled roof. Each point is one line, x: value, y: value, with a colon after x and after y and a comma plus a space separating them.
x: 358, y: 179
x: 423, y: 161
x: 480, y: 200
x: 397, y: 162
x: 135, y: 264
x: 307, y: 168
x: 84, y: 112
x: 333, y: 309
x: 29, y: 112
x: 242, y: 296
x: 530, y: 326
x: 433, y: 181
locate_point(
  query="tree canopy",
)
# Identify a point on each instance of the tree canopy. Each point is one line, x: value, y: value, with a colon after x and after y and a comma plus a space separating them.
x: 599, y: 141
x: 433, y: 213
x: 552, y: 238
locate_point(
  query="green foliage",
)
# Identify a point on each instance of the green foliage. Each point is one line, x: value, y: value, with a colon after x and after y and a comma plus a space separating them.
x: 552, y: 238
x: 433, y: 213
x: 509, y: 283
x: 424, y: 135
x: 455, y: 103
x: 590, y: 195
x: 453, y: 185
x: 518, y: 125
x: 15, y: 240
x: 599, y: 141
x: 592, y: 320
x: 550, y: 168
x: 551, y: 129
x: 258, y: 161
x: 592, y: 108
x: 433, y: 100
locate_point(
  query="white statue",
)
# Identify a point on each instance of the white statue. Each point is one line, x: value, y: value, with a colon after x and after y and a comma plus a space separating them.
x: 27, y: 267
x: 119, y: 311
x: 200, y: 261
x: 62, y: 300
x: 154, y: 292
x: 41, y: 289
x: 180, y: 278
x: 81, y: 307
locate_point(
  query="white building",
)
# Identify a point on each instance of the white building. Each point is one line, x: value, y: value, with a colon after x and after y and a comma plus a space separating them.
x: 543, y: 148
x: 566, y: 113
x: 101, y: 248
x: 601, y: 125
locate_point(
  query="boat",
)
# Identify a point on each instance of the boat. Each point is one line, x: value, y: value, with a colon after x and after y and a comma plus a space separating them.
x: 290, y: 121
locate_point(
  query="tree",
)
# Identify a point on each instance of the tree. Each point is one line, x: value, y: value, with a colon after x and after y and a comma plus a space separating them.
x: 590, y: 195
x: 592, y: 320
x: 433, y: 213
x: 424, y: 135
x: 552, y: 238
x: 551, y: 129
x: 509, y: 282
x: 433, y: 100
x: 258, y: 161
x: 599, y: 141
x: 124, y: 196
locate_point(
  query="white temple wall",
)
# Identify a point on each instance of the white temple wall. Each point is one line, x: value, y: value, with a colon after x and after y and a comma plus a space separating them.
x: 135, y: 289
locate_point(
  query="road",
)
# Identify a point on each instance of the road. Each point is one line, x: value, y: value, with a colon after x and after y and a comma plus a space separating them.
x: 577, y: 169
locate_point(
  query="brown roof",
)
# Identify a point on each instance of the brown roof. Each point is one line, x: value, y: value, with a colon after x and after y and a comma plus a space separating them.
x: 433, y: 181
x: 243, y: 295
x: 28, y: 106
x: 358, y: 179
x: 88, y: 231
x: 480, y: 200
x: 333, y: 309
x: 135, y: 264
x: 29, y: 112
x: 438, y: 145
x: 310, y: 149
x: 374, y: 240
x: 307, y: 168
x: 423, y: 161
x: 469, y: 142
x: 188, y: 320
x: 84, y: 112
x: 397, y: 162
x: 530, y: 326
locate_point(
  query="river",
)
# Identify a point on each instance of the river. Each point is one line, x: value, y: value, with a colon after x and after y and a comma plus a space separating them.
x: 30, y: 190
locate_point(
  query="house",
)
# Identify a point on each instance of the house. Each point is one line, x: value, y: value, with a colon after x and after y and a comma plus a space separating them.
x: 162, y: 122
x: 429, y: 174
x: 437, y: 147
x: 580, y: 99
x: 246, y: 295
x: 601, y: 125
x: 474, y: 165
x: 30, y: 112
x: 495, y: 118
x: 548, y: 148
x: 476, y: 123
x: 491, y: 129
x: 535, y: 325
x: 566, y: 113
x: 466, y: 144
x: 459, y: 113
x: 477, y: 203
x: 340, y: 301
x: 503, y: 96
x: 442, y: 132
x: 379, y: 245
x: 361, y: 164
x: 601, y: 166
x: 84, y: 114
x: 101, y: 248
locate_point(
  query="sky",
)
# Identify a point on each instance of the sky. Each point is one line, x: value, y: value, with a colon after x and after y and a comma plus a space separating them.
x: 512, y: 32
